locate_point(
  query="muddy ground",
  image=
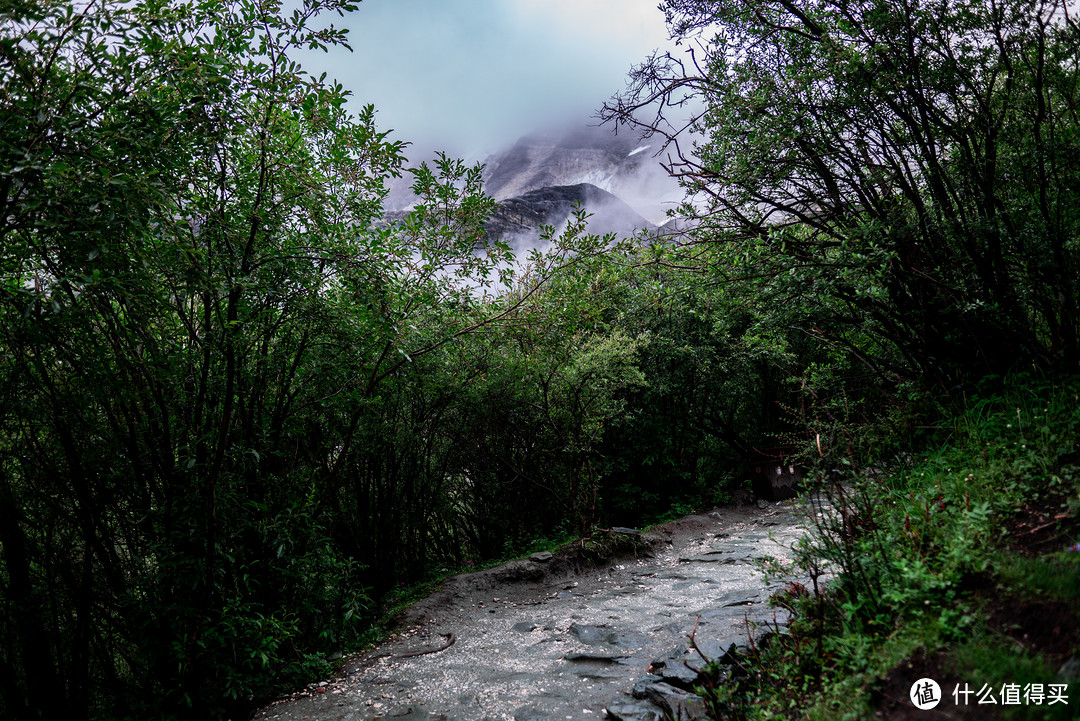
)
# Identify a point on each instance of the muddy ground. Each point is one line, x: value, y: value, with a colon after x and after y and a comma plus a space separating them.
x: 558, y: 639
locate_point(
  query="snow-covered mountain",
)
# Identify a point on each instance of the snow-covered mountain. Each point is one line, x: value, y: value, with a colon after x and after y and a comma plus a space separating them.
x: 623, y: 164
x: 616, y: 177
x: 517, y: 220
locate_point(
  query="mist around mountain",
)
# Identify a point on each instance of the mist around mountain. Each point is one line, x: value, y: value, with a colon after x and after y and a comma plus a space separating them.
x: 518, y: 220
x: 623, y: 164
x: 616, y: 177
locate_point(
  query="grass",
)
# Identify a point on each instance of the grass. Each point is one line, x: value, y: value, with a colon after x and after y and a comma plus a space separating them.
x: 1052, y: 576
x: 953, y: 566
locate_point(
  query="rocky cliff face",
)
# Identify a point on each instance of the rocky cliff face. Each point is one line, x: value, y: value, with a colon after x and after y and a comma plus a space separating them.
x: 518, y: 220
x: 623, y: 165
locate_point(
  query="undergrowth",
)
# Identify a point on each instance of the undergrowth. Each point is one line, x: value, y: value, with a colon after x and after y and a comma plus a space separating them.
x: 960, y: 564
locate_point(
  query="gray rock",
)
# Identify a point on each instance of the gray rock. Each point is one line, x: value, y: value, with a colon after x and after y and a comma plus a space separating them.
x: 719, y: 672
x: 762, y: 504
x: 715, y: 650
x: 670, y: 656
x: 524, y: 627
x: 541, y: 557
x: 603, y: 636
x: 744, y: 597
x: 409, y: 713
x: 625, y: 531
x: 722, y: 613
x: 740, y: 602
x: 625, y: 709
x: 673, y: 575
x: 517, y: 572
x: 710, y: 558
x: 644, y: 682
x: 680, y: 675
x: 594, y: 657
x: 592, y: 635
x: 529, y: 713
x: 770, y: 617
x: 674, y: 702
x: 518, y: 219
x: 738, y: 548
x: 673, y: 669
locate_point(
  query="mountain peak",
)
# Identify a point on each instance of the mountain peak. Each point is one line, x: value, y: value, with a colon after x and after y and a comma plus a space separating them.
x: 618, y: 163
x: 517, y: 220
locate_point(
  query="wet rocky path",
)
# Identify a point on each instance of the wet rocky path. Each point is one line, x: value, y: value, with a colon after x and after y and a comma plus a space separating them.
x: 534, y: 640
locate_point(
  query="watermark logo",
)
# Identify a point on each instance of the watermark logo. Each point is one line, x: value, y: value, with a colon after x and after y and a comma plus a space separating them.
x: 925, y: 694
x: 1013, y: 694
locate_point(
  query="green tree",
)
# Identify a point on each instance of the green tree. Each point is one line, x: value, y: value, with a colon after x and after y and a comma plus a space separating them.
x: 222, y: 391
x: 902, y: 172
x: 715, y: 382
x: 205, y: 320
x: 179, y: 202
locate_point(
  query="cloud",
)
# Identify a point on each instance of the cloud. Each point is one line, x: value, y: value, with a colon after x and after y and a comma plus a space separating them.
x: 623, y: 24
x: 473, y: 75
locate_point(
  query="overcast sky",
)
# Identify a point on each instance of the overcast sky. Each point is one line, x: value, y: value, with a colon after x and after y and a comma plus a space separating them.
x: 470, y: 76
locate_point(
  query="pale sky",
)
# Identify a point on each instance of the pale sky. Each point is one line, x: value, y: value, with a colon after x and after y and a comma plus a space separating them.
x: 471, y: 76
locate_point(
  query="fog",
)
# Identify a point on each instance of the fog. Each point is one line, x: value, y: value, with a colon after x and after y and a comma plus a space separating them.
x: 472, y: 76
x: 513, y: 84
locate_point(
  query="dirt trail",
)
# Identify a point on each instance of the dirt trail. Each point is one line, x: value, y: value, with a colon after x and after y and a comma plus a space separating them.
x: 537, y: 639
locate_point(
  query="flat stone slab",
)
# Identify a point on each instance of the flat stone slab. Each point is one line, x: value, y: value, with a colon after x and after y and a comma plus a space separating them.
x: 604, y: 636
x: 674, y: 702
x: 630, y: 709
x: 593, y: 657
x: 678, y: 674
x: 709, y: 558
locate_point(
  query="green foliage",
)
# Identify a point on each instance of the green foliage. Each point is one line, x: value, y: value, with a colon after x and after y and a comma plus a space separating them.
x: 177, y: 196
x: 989, y: 659
x: 241, y: 408
x: 715, y: 387
x: 922, y: 556
x: 215, y: 433
x: 895, y: 179
x: 1056, y: 576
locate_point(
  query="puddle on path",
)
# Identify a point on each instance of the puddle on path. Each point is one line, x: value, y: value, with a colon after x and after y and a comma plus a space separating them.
x: 570, y: 646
